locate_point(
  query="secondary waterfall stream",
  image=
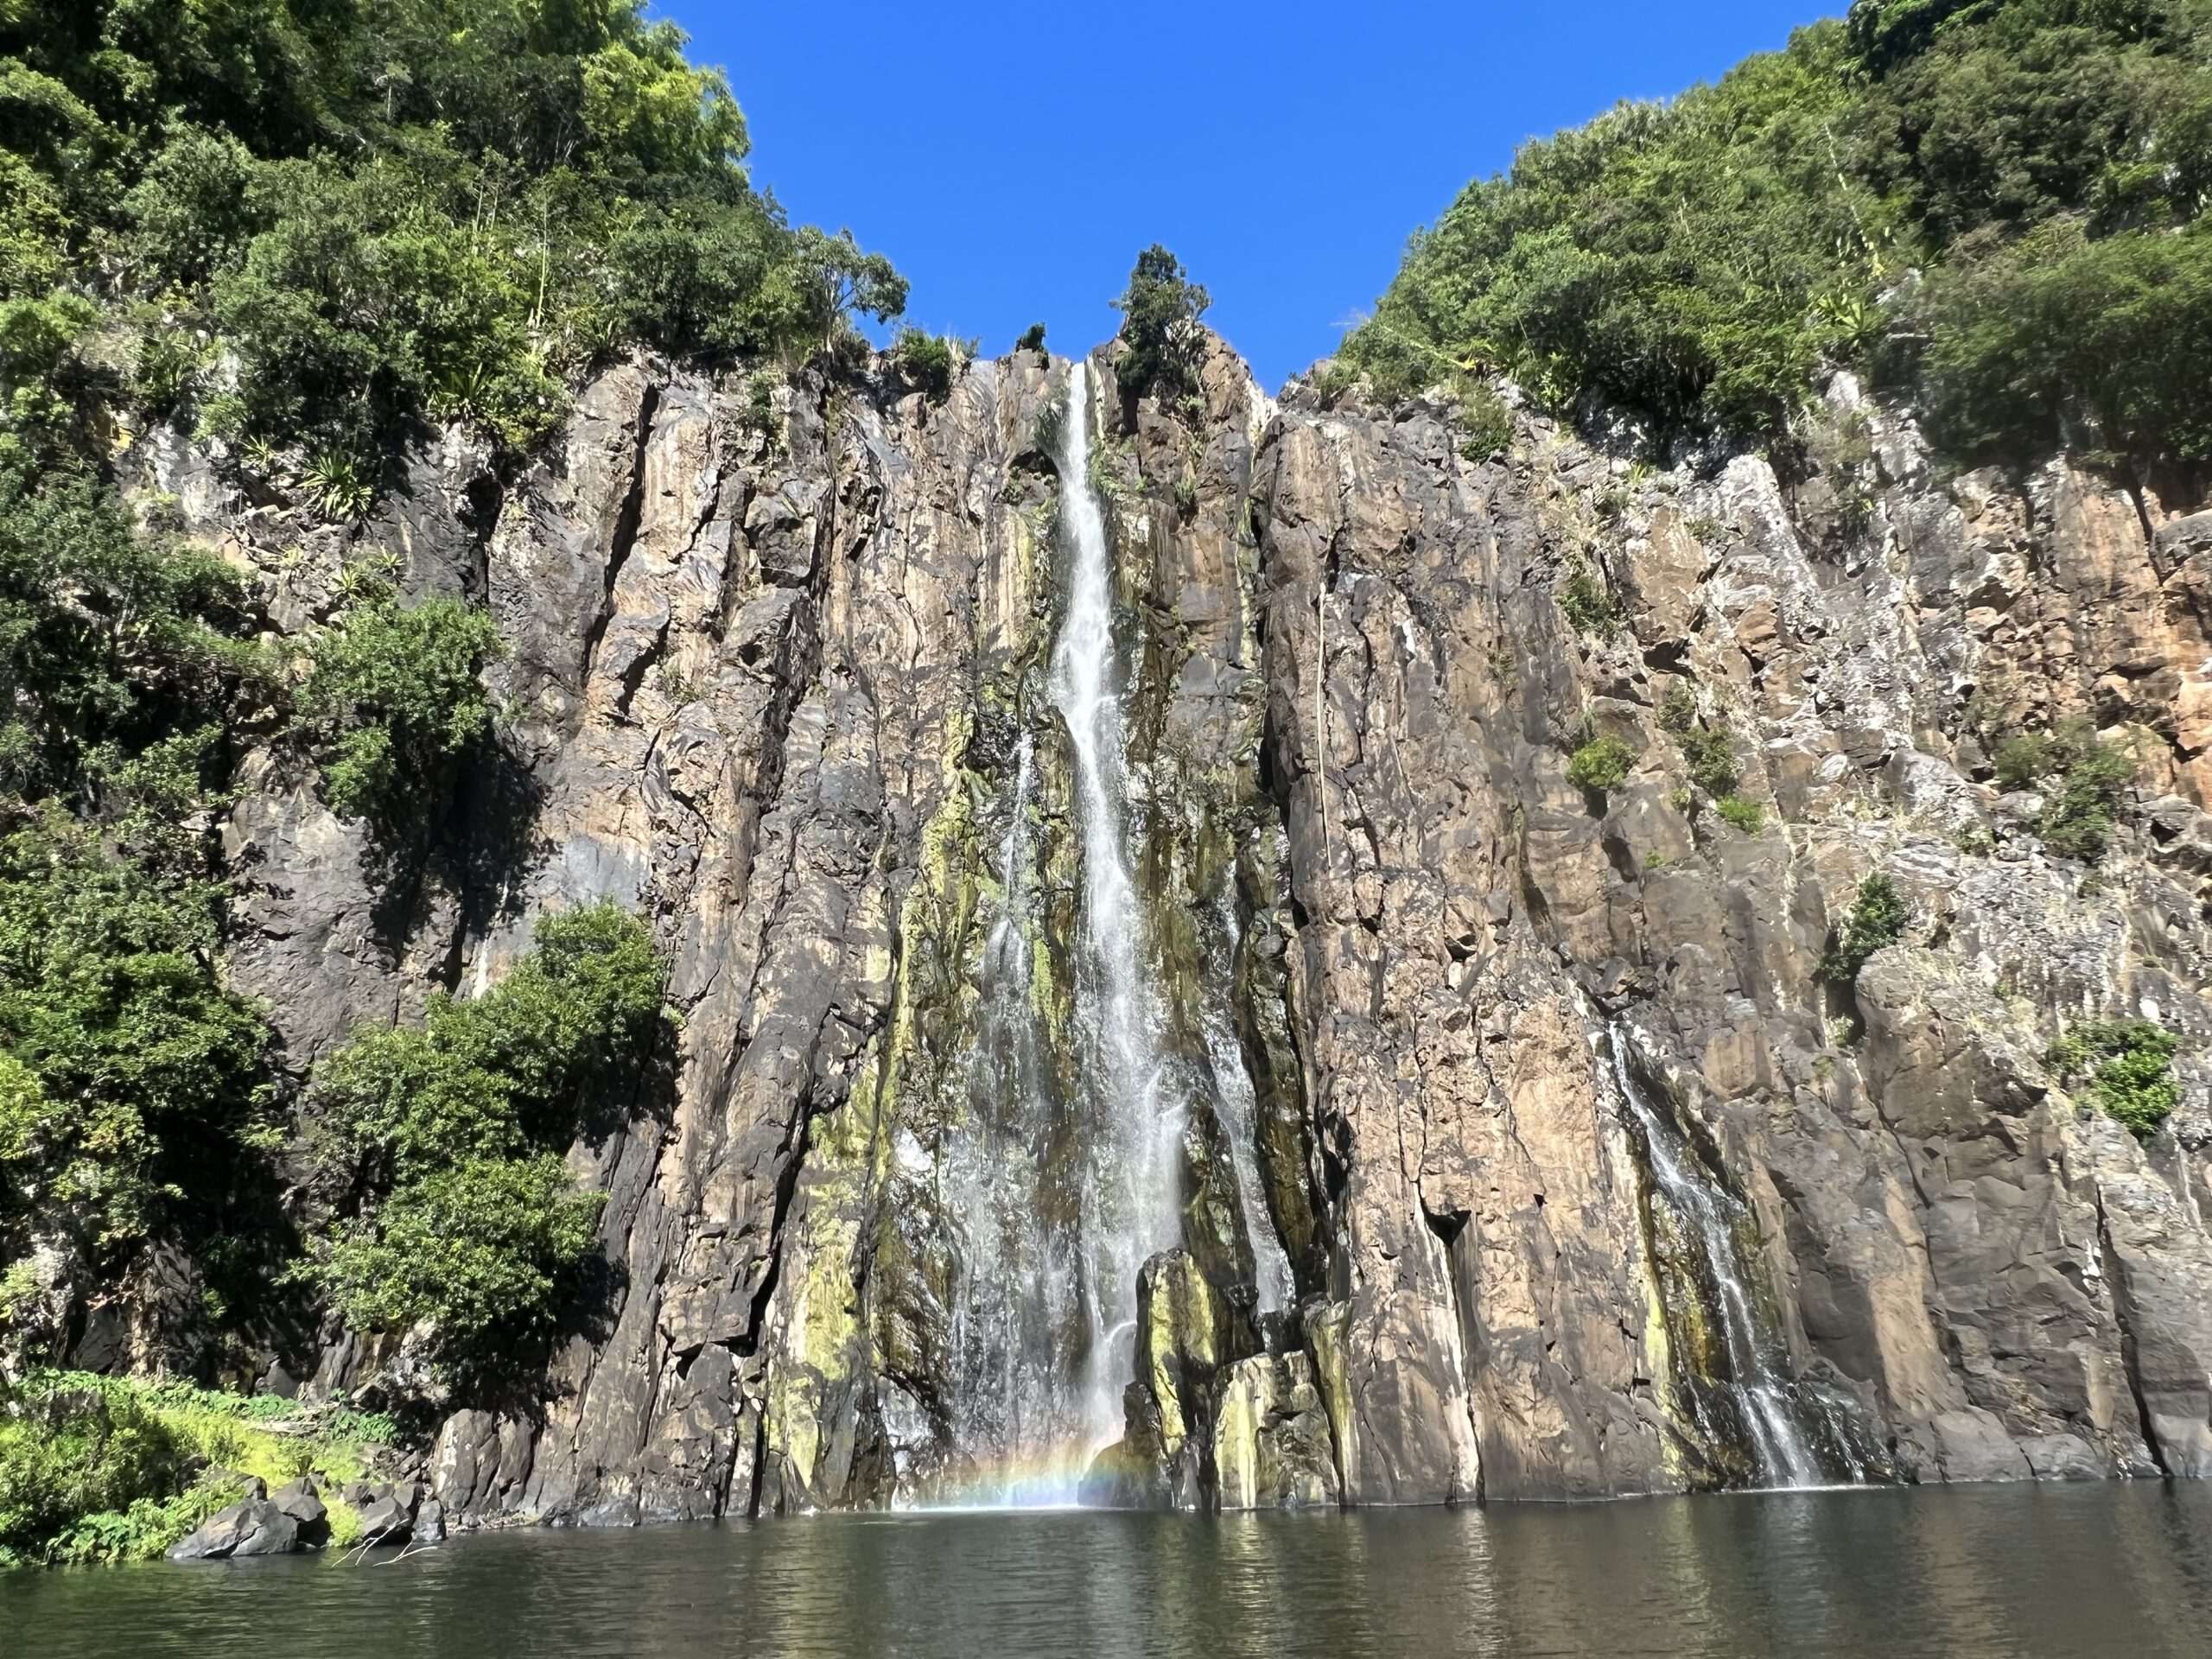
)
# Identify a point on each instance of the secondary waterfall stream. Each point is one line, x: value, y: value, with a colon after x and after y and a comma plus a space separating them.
x: 1752, y: 1400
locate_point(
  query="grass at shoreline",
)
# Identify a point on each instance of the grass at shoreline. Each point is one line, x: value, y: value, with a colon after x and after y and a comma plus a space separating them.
x: 99, y: 1469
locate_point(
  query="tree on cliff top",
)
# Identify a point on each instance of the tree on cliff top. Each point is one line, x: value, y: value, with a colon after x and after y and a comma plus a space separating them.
x: 1161, y: 311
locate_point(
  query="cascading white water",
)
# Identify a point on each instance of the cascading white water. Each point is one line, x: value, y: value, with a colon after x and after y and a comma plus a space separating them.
x: 1012, y: 1309
x: 1770, y: 1400
x: 1064, y: 1174
x: 1134, y: 1129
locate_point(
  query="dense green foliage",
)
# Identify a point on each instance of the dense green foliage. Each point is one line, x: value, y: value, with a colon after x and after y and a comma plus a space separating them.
x: 2085, y: 780
x: 1160, y: 310
x: 926, y: 362
x: 1033, y: 340
x: 1878, y: 917
x: 2129, y: 1066
x: 110, y: 640
x: 2041, y: 164
x: 446, y: 1138
x: 125, y: 1066
x: 103, y: 1469
x: 1600, y: 765
x: 395, y: 693
x: 379, y: 210
x: 66, y: 1453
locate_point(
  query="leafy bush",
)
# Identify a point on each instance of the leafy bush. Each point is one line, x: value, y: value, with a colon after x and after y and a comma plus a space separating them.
x: 105, y: 1469
x: 2091, y: 777
x: 395, y: 692
x: 1878, y: 917
x: 925, y: 361
x: 1749, y: 816
x: 1161, y: 311
x: 125, y: 1068
x: 447, y: 1136
x: 2064, y: 328
x: 1709, y: 754
x: 1600, y: 765
x: 2129, y: 1066
x: 69, y: 1451
x: 1589, y: 604
x: 1033, y: 340
x: 2043, y: 161
x: 1712, y: 759
x: 107, y: 637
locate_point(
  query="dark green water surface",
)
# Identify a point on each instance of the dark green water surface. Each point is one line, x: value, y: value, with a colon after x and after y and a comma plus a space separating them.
x: 2091, y: 1570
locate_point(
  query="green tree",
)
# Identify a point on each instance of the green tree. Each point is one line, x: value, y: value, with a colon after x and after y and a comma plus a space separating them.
x: 1163, y: 343
x: 1877, y: 918
x: 395, y: 692
x: 459, y: 1213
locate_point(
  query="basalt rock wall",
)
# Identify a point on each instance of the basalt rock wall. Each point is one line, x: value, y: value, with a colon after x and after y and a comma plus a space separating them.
x: 774, y: 672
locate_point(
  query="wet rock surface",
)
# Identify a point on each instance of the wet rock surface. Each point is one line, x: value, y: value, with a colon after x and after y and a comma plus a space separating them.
x: 776, y: 684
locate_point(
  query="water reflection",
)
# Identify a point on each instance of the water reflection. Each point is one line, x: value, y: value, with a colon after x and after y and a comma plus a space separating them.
x: 1992, y: 1572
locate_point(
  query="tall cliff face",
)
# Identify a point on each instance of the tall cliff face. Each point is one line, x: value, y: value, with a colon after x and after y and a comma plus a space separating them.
x: 1521, y: 1149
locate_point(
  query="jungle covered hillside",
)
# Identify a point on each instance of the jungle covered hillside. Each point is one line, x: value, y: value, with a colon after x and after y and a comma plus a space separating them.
x: 1995, y: 205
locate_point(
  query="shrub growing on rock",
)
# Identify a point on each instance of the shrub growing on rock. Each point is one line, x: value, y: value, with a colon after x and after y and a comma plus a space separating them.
x: 1160, y: 310
x: 447, y: 1138
x: 2086, y: 776
x: 1601, y: 765
x: 925, y: 361
x: 1878, y: 917
x: 2129, y: 1067
x: 395, y: 693
x: 1589, y: 606
x: 1747, y: 816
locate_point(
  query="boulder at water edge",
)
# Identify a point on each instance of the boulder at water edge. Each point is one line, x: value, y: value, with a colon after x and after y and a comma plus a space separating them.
x: 255, y: 1526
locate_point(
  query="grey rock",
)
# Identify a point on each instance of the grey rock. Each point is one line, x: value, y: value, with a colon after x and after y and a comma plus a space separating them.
x: 769, y: 685
x: 300, y: 1500
x: 253, y: 1527
x: 385, y: 1520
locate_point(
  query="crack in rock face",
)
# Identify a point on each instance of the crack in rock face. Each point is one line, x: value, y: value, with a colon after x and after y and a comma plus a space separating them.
x: 1231, y: 955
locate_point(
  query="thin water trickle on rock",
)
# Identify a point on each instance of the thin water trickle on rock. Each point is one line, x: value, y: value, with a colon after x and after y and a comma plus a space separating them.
x: 1771, y: 1404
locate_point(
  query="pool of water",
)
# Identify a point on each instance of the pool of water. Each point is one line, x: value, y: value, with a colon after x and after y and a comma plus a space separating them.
x: 1994, y: 1571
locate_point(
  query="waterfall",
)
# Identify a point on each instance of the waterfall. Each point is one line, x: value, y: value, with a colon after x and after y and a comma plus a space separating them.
x: 1132, y: 1131
x: 1014, y: 1308
x: 1771, y: 1409
x: 1065, y: 1173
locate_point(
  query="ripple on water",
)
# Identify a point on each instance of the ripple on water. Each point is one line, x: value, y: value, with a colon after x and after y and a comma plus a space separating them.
x: 1886, y: 1575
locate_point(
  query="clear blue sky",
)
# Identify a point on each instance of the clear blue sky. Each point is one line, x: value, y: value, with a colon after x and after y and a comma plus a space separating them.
x: 1012, y: 159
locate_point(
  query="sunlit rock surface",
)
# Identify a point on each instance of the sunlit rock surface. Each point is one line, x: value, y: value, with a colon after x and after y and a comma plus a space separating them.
x: 784, y: 682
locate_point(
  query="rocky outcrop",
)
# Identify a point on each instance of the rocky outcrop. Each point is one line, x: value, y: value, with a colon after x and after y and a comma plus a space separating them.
x: 778, y: 681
